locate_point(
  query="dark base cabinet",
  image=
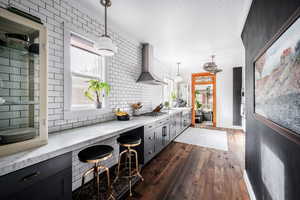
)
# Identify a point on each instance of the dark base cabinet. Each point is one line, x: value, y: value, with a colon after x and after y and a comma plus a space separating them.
x: 156, y: 137
x: 48, y: 180
x: 159, y: 134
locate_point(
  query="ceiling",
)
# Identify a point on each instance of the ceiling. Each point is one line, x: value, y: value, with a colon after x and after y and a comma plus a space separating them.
x: 180, y: 30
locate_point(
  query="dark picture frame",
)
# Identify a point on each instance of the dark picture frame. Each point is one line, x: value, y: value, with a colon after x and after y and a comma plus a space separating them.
x: 280, y: 128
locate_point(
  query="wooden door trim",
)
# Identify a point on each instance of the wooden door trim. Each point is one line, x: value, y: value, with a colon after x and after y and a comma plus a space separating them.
x: 213, y: 82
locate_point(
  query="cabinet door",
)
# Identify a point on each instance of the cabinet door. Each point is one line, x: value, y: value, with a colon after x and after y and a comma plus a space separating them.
x: 165, y: 135
x: 56, y: 187
x: 178, y: 124
x: 172, y: 127
x: 186, y: 120
x: 172, y: 131
x: 51, y: 179
x: 158, y: 139
x: 27, y: 92
x: 149, y: 145
x: 190, y: 118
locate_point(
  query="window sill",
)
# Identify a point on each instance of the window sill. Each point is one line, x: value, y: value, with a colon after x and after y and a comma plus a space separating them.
x: 84, y: 113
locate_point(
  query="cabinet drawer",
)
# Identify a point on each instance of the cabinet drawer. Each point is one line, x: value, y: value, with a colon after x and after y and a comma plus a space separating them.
x: 148, y: 127
x: 24, y: 178
x: 163, y: 121
x: 149, y: 152
x: 156, y: 124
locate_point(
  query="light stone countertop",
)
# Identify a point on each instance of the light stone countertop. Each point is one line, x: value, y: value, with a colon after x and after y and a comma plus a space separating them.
x: 70, y: 140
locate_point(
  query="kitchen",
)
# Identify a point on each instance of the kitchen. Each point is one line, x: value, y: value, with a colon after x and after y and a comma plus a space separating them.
x: 29, y: 168
x: 98, y: 100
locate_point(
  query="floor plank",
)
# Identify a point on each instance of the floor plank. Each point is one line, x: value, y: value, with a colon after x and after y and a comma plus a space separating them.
x: 184, y: 171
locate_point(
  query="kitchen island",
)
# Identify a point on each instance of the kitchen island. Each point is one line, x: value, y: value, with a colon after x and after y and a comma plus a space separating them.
x: 73, y: 140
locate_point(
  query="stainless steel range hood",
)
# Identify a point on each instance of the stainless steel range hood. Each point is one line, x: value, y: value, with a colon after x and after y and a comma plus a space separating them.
x: 147, y: 76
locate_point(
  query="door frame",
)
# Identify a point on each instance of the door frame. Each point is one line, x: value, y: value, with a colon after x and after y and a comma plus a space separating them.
x: 213, y: 82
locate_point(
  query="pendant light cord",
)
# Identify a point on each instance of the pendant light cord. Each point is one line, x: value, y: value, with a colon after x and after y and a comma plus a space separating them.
x: 105, y: 18
x: 178, y: 68
x: 106, y: 4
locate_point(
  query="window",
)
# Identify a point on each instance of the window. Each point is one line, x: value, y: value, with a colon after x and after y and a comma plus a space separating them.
x: 86, y: 64
x: 82, y: 63
x: 168, y: 89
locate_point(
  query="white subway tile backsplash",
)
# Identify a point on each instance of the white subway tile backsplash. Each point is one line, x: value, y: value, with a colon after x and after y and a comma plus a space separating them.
x: 122, y: 72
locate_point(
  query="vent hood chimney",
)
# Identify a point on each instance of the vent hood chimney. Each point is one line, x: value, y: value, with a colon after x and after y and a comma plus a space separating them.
x: 147, y: 76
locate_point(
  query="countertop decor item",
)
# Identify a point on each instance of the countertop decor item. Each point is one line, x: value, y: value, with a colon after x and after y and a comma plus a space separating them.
x: 158, y: 108
x: 106, y: 45
x: 212, y: 67
x: 96, y: 92
x: 122, y: 116
x: 136, y: 108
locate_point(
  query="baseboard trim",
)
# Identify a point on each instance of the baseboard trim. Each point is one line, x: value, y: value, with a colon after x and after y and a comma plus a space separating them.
x: 249, y: 186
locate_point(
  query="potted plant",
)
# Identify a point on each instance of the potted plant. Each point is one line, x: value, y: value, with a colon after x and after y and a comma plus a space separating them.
x: 95, y: 91
x: 167, y: 104
x: 198, y: 105
x: 173, y: 97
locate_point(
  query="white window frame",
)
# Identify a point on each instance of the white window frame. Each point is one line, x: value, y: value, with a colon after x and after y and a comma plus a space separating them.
x: 171, y: 88
x: 82, y: 112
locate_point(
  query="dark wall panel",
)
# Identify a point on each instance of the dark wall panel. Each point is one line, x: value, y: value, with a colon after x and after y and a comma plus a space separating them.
x: 272, y: 160
x: 237, y: 95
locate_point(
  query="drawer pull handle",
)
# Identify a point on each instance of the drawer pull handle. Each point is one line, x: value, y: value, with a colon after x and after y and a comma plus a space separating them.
x: 30, y: 176
x: 150, y: 138
x: 149, y: 152
x: 149, y: 126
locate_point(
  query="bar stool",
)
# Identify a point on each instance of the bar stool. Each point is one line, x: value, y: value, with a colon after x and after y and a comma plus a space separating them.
x: 129, y: 141
x: 96, y: 154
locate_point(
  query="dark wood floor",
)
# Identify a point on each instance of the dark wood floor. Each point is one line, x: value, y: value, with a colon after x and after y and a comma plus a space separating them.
x: 191, y: 172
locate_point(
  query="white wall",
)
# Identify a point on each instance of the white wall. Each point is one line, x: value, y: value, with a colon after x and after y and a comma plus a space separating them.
x: 225, y: 98
x: 122, y: 70
x: 224, y: 94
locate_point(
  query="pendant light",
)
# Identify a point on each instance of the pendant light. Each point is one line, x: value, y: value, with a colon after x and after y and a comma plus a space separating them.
x: 106, y: 45
x: 211, y: 66
x: 178, y: 78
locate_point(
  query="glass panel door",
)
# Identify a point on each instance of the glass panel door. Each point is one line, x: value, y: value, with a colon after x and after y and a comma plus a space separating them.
x: 19, y: 82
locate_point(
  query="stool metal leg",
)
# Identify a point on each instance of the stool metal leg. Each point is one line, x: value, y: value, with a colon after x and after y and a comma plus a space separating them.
x: 96, y: 173
x: 129, y: 153
x: 119, y: 165
x: 108, y: 184
x: 83, y: 179
x: 137, y: 164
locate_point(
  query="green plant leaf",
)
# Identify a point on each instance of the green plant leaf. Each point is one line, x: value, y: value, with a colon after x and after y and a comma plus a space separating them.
x: 89, y: 95
x: 97, y: 87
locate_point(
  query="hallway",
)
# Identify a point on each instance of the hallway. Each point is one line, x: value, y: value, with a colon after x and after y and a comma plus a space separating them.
x: 200, y: 172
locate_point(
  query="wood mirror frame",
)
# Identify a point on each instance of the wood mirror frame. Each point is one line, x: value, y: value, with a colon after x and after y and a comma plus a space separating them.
x: 213, y: 83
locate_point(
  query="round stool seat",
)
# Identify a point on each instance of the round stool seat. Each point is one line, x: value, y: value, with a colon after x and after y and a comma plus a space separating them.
x: 129, y: 140
x: 95, y: 153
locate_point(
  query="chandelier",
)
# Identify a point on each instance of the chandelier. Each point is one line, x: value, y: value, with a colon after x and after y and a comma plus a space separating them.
x: 211, y: 66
